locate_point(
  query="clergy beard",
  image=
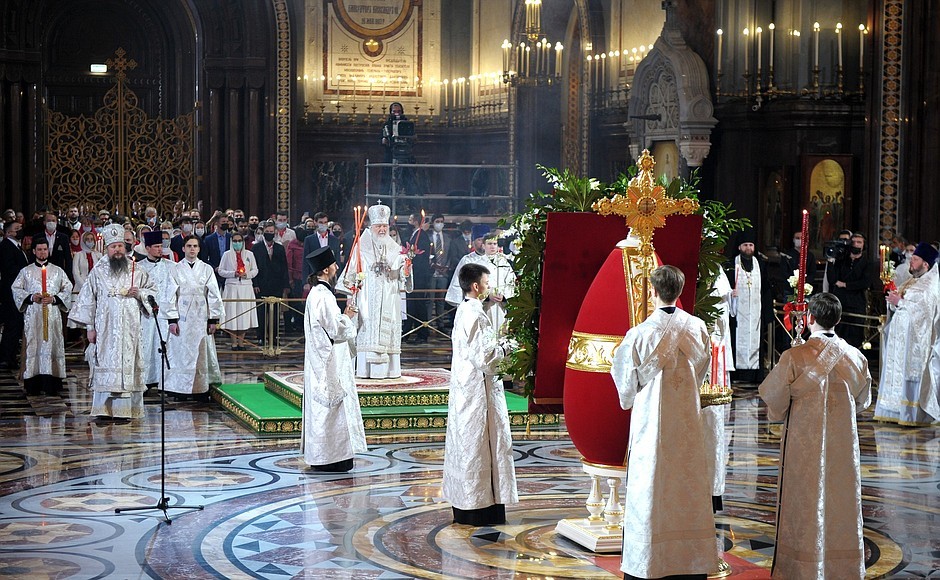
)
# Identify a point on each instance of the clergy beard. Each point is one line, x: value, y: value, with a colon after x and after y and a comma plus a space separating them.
x: 118, y: 265
x: 747, y: 262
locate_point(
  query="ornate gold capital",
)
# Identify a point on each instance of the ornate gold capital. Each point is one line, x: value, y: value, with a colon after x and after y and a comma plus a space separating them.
x: 593, y: 353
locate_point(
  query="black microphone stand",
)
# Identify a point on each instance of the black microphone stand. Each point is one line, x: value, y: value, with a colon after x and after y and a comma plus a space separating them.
x: 163, y: 504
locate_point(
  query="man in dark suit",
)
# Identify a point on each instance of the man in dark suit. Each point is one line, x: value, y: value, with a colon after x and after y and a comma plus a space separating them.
x: 186, y: 230
x: 273, y: 278
x: 419, y: 305
x: 322, y: 237
x: 216, y: 244
x: 59, y: 253
x: 12, y: 260
x: 441, y: 270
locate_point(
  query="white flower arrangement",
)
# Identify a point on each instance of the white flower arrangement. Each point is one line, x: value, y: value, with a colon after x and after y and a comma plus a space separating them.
x: 794, y: 281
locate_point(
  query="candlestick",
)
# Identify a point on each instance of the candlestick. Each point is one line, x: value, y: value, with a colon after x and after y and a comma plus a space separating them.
x: 816, y: 44
x: 804, y: 244
x: 720, y: 33
x: 839, y: 42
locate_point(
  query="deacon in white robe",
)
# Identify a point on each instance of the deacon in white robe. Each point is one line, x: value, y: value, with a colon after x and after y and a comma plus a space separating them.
x: 332, y: 421
x: 479, y: 474
x: 747, y: 300
x: 909, y: 388
x: 161, y: 272
x: 502, y: 281
x: 668, y: 528
x: 816, y: 389
x: 44, y: 363
x: 375, y: 275
x: 110, y: 307
x: 194, y: 364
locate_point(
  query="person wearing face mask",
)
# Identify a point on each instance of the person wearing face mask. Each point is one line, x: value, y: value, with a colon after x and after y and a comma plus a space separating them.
x: 199, y: 229
x: 186, y: 230
x: 320, y: 238
x: 332, y: 421
x: 441, y: 273
x: 12, y: 260
x: 283, y: 234
x: 239, y: 269
x: 216, y: 244
x: 273, y: 278
x: 75, y: 242
x: 502, y: 279
x: 849, y: 277
x: 194, y: 364
x: 166, y: 251
x: 59, y: 253
x: 130, y: 249
x: 150, y: 218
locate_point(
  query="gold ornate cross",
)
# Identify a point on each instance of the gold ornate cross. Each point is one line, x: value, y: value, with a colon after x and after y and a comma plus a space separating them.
x: 121, y: 64
x: 645, y: 207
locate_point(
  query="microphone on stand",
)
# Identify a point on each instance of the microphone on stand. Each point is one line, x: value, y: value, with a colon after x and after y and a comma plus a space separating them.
x: 153, y: 304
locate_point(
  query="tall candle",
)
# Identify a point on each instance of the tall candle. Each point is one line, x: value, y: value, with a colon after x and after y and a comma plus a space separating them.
x: 804, y: 244
x: 133, y: 269
x: 746, y: 47
x: 558, y: 49
x: 839, y: 42
x: 816, y: 44
x: 861, y: 47
x: 759, y: 31
x: 720, y: 34
x: 43, y: 280
x: 770, y: 62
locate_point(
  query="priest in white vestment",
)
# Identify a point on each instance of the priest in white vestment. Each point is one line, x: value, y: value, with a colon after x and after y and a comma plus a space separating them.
x: 332, y: 421
x: 110, y: 307
x: 194, y: 364
x: 375, y: 275
x: 748, y: 293
x: 816, y: 389
x: 909, y: 387
x: 479, y: 474
x: 42, y: 308
x: 668, y: 526
x: 160, y: 270
x: 502, y: 280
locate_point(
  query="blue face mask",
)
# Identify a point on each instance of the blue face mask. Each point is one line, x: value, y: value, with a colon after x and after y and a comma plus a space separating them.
x: 237, y: 246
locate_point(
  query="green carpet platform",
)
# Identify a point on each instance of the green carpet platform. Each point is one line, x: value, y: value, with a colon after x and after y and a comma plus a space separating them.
x: 415, y: 402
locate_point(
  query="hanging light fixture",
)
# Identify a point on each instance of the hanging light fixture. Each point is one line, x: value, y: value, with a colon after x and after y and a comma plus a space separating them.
x: 531, y: 62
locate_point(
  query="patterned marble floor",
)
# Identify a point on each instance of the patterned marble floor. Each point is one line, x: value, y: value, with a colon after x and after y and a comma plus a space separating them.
x: 62, y: 475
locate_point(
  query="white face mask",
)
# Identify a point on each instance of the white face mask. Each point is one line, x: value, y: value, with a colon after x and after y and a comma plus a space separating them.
x: 200, y: 231
x: 322, y: 228
x: 281, y: 225
x: 438, y: 227
x: 51, y: 226
x: 187, y: 228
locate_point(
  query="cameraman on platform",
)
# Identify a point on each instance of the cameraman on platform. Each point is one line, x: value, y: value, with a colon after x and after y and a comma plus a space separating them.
x: 849, y: 274
x: 398, y: 140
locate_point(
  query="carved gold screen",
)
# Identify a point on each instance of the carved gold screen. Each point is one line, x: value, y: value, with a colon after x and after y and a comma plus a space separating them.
x: 119, y: 158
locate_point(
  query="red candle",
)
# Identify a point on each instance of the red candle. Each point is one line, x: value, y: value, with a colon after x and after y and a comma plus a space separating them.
x: 804, y: 244
x: 43, y: 279
x: 724, y: 367
x: 715, y: 364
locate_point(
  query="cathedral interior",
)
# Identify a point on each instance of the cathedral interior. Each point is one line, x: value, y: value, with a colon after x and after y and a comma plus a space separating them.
x: 774, y: 106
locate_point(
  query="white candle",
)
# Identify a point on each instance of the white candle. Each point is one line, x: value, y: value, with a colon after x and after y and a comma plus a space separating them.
x: 446, y: 97
x: 759, y: 31
x: 558, y: 49
x: 746, y: 37
x: 506, y: 46
x: 839, y: 42
x: 720, y: 34
x: 816, y: 45
x: 770, y: 62
x: 861, y: 47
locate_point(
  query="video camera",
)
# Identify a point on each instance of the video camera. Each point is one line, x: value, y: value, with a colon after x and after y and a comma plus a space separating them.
x: 836, y: 249
x: 402, y: 138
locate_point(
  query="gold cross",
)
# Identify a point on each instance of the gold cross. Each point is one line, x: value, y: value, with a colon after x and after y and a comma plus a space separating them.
x: 645, y: 207
x: 121, y: 64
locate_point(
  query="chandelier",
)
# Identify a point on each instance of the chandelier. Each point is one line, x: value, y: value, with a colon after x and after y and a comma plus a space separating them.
x: 531, y: 62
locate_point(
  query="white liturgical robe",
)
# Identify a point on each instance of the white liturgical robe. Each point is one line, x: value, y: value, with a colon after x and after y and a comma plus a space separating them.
x: 378, y: 265
x: 746, y: 310
x: 502, y: 281
x: 43, y: 356
x: 115, y: 359
x: 478, y: 464
x: 194, y: 364
x: 816, y: 389
x: 161, y: 272
x: 716, y: 416
x: 668, y: 527
x: 332, y: 421
x: 909, y: 387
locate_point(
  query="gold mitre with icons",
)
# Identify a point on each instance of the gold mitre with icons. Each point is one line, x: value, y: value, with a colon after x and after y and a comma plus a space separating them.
x: 621, y: 297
